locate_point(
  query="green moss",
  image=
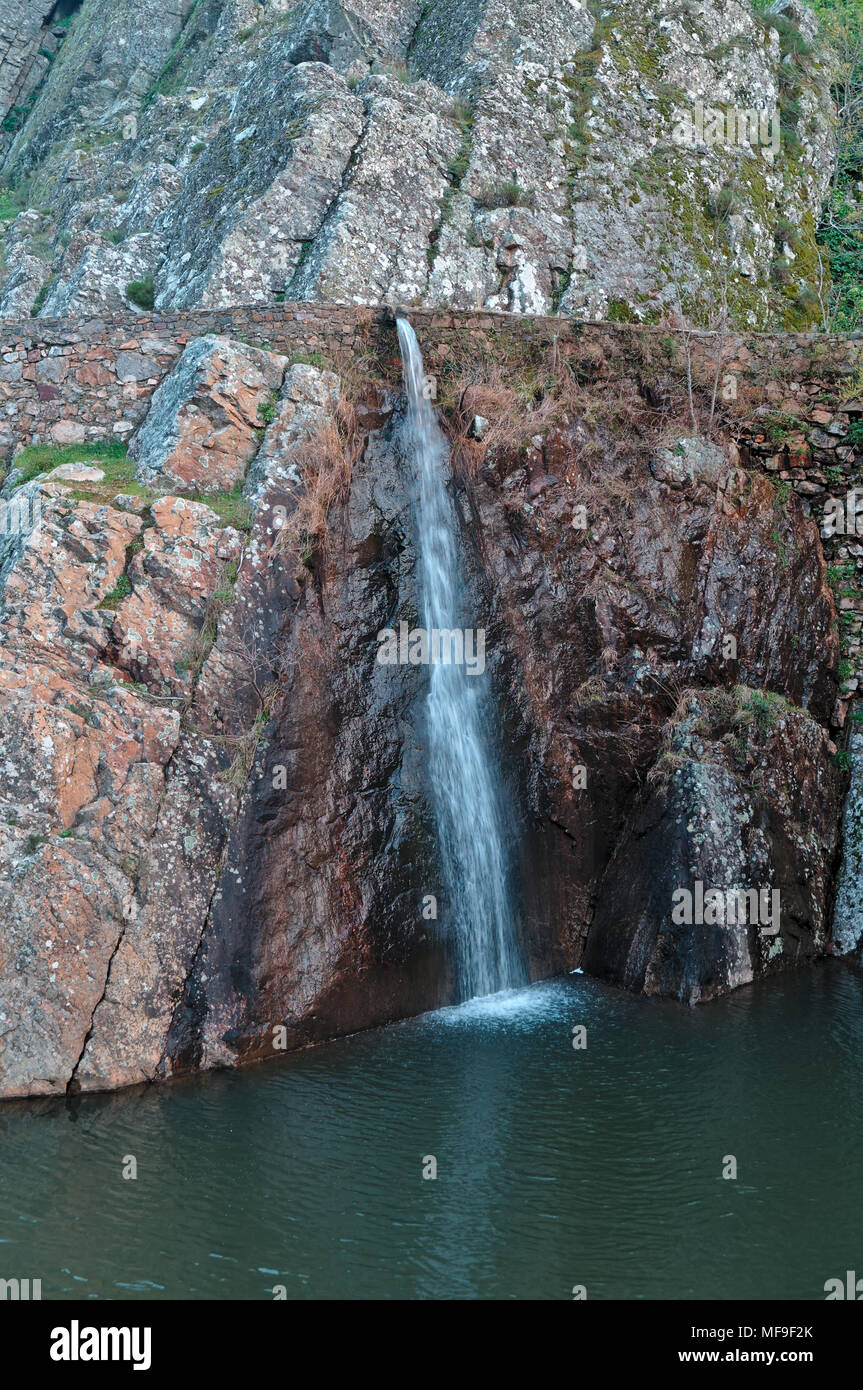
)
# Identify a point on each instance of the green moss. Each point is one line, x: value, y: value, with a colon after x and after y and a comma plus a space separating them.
x: 620, y: 312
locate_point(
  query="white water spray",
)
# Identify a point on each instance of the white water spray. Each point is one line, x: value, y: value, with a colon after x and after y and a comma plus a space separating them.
x: 465, y: 789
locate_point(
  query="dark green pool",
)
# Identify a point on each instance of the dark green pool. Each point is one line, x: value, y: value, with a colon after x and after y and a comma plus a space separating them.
x: 556, y: 1167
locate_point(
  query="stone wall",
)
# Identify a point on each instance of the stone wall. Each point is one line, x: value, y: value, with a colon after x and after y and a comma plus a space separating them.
x: 70, y: 381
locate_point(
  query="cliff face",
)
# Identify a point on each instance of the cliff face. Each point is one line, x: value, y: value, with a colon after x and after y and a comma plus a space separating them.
x: 531, y: 156
x: 216, y: 824
x: 217, y: 834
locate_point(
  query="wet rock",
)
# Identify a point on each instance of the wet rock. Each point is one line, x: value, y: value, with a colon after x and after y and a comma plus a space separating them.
x: 316, y: 925
x: 848, y: 910
x: 592, y: 629
x: 745, y: 798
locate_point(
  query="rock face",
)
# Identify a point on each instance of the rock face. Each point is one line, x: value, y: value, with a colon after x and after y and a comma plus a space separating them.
x: 202, y: 429
x: 216, y: 826
x: 84, y: 768
x: 848, y: 912
x: 598, y: 625
x: 100, y: 793
x: 745, y: 796
x: 527, y: 155
x: 21, y: 35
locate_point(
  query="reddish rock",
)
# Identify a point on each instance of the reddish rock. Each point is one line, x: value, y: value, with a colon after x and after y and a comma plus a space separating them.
x: 220, y: 853
x: 95, y: 786
x: 204, y: 423
x: 186, y: 556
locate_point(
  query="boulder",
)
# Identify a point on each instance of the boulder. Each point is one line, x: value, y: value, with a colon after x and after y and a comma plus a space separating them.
x: 692, y: 460
x: 204, y: 422
x: 744, y: 799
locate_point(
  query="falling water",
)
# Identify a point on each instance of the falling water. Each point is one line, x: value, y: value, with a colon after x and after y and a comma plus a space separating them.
x: 465, y: 788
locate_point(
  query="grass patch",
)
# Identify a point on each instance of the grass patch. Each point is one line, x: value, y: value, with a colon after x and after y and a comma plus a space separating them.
x: 311, y: 359
x: 115, y: 596
x: 267, y: 409
x: 41, y: 297
x: 231, y: 508
x: 41, y: 458
x: 221, y: 599
x: 12, y: 201
x: 142, y: 293
x: 505, y: 195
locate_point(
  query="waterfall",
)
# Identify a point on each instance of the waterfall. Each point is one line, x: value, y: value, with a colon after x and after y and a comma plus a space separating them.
x: 466, y: 793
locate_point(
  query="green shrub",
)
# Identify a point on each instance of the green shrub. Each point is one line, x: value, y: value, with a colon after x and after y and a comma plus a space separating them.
x: 505, y: 195
x: 114, y: 598
x: 142, y: 293
x: 41, y: 297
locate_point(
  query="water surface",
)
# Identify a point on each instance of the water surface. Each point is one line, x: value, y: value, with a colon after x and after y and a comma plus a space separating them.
x: 556, y: 1167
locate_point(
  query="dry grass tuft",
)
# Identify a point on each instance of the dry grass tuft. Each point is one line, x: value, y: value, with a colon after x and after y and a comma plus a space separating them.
x: 325, y: 470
